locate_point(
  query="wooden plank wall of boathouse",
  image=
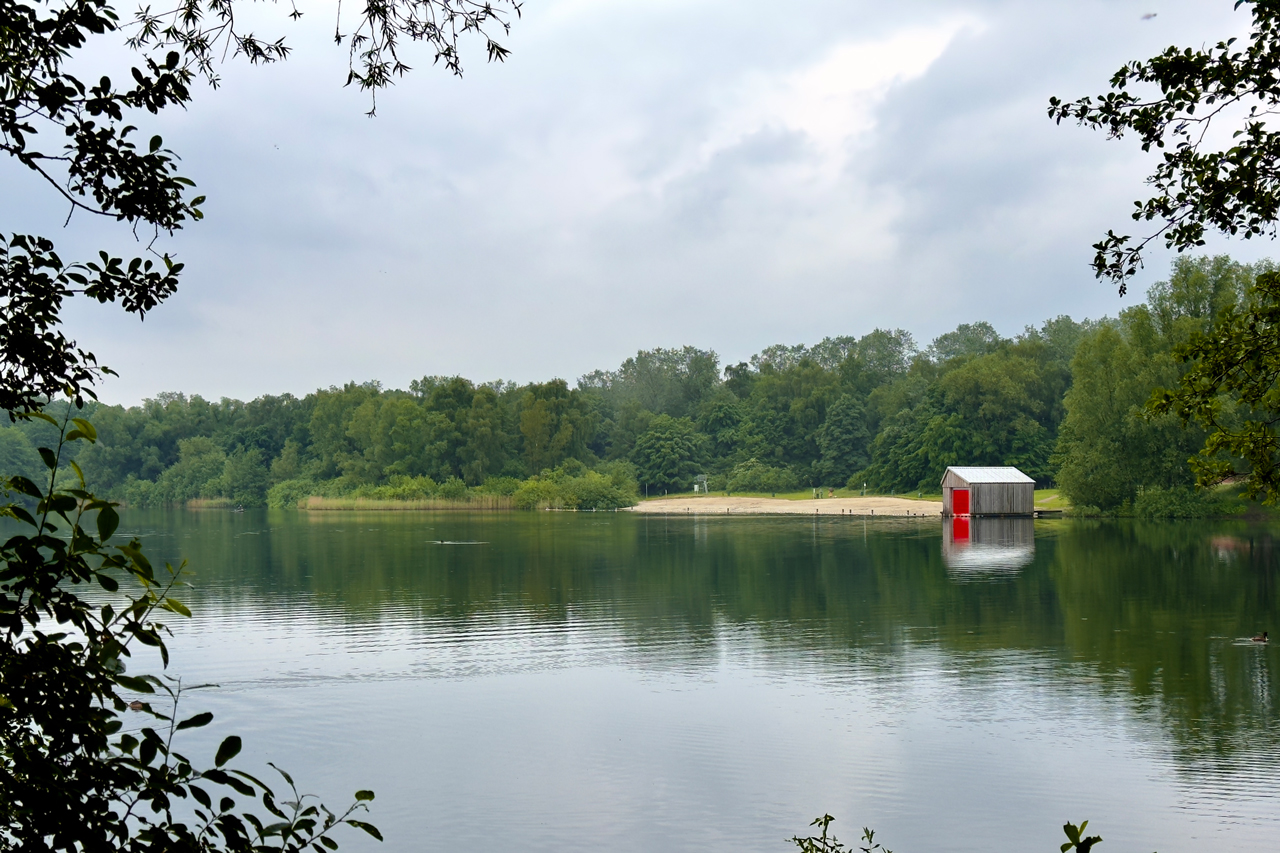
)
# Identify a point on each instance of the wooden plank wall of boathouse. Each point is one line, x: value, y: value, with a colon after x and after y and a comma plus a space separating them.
x: 1002, y: 499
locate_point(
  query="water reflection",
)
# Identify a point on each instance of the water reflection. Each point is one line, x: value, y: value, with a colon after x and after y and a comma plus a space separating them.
x: 1156, y: 603
x: 1105, y: 651
x: 977, y: 549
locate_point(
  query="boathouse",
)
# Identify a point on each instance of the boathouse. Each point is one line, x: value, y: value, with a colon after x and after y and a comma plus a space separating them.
x: 975, y: 491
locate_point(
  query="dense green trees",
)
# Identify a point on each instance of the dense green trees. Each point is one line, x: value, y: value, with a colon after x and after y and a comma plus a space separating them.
x: 990, y: 402
x: 667, y: 455
x: 844, y: 441
x: 804, y: 416
x: 1230, y: 390
x: 659, y: 380
x: 555, y: 423
x: 1111, y: 445
x: 1107, y: 448
x: 17, y: 454
x: 1063, y: 401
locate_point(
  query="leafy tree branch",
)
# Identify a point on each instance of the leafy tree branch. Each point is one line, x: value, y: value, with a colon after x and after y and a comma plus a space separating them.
x: 82, y: 138
x: 1170, y: 102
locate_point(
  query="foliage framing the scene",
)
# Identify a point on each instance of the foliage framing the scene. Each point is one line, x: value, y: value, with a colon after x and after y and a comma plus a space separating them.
x: 1228, y: 386
x: 826, y: 842
x: 100, y: 165
x: 71, y: 776
x: 1198, y: 188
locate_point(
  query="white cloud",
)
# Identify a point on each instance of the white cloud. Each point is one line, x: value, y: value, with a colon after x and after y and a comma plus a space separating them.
x: 832, y: 102
x: 726, y: 173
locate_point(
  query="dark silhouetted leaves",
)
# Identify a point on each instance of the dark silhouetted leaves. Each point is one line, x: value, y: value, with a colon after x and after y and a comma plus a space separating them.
x: 201, y: 719
x: 227, y: 750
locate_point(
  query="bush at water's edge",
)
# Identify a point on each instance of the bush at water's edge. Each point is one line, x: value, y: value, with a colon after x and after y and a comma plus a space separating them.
x: 573, y: 486
x: 1155, y: 502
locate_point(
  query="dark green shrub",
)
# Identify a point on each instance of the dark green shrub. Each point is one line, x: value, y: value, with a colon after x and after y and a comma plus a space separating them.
x: 1178, y: 502
x: 500, y: 486
x: 288, y: 494
x: 572, y: 486
x: 594, y: 490
x: 538, y: 493
x: 452, y: 489
x: 755, y: 476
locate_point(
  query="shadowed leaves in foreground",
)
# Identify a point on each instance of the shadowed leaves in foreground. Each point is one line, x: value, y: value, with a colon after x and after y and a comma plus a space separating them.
x: 73, y: 776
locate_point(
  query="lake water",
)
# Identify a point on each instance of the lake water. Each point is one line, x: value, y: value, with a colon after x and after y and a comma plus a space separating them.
x: 606, y: 681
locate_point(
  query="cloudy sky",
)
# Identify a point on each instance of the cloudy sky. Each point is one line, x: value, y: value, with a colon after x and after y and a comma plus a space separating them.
x: 639, y: 173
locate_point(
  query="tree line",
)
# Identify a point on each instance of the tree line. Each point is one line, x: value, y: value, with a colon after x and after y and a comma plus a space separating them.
x: 1063, y: 401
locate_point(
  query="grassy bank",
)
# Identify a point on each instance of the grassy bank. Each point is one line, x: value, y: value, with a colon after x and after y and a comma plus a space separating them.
x: 1052, y: 499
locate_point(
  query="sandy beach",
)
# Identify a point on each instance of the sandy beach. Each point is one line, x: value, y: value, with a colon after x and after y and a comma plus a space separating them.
x: 718, y: 505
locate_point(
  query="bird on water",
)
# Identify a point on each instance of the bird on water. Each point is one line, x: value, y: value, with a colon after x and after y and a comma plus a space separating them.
x: 1261, y: 638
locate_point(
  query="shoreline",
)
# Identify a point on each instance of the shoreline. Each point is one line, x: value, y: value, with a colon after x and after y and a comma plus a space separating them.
x: 717, y: 505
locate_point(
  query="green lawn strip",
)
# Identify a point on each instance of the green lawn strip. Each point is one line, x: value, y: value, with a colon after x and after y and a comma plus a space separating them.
x: 1051, y: 499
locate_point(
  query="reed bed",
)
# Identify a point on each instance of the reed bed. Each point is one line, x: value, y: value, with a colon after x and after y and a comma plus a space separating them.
x: 471, y: 502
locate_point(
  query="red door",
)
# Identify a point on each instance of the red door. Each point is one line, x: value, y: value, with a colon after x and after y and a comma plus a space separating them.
x: 959, y: 501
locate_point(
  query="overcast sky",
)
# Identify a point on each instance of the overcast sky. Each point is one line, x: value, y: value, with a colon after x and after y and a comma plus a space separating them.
x: 639, y: 173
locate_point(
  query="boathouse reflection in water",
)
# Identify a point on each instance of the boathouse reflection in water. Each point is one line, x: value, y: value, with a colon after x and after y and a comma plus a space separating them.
x: 987, y: 548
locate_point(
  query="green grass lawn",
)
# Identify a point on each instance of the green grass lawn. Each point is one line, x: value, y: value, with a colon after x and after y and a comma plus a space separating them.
x: 1050, y: 499
x: 1251, y: 509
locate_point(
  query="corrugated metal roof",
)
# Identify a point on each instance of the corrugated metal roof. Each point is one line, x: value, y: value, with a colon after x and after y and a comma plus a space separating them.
x: 989, y: 474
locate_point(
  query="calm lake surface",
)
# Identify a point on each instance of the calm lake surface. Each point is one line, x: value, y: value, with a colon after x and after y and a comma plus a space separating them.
x: 606, y: 681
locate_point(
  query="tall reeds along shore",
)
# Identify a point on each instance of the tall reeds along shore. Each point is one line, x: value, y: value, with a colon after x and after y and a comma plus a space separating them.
x: 471, y: 502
